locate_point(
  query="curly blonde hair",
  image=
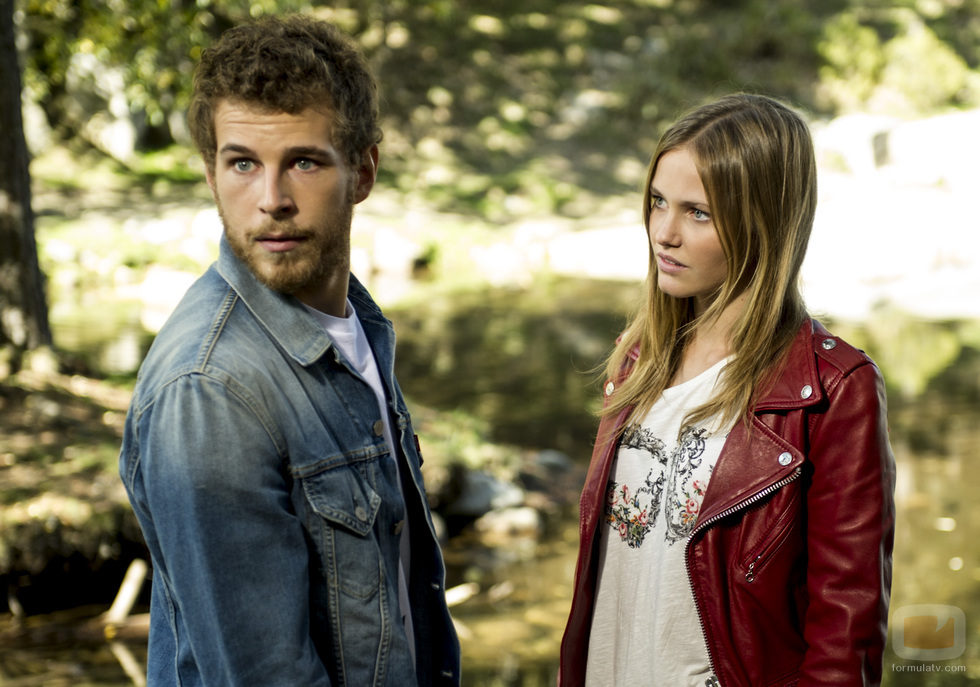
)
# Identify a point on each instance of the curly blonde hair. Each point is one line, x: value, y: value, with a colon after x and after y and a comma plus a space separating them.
x: 287, y: 64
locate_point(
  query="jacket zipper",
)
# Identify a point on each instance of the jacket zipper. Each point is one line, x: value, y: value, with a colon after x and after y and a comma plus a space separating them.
x: 775, y: 486
x: 770, y: 548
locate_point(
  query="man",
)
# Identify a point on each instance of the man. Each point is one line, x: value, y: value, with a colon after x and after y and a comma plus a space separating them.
x: 268, y: 452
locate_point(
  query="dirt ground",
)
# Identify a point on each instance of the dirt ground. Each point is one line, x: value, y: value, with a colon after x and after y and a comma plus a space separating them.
x: 63, y: 510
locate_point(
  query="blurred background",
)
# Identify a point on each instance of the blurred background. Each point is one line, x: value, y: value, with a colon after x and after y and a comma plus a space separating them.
x: 504, y: 240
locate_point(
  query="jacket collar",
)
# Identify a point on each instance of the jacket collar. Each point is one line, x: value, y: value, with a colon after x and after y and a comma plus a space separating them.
x: 798, y: 383
x: 752, y: 461
x: 283, y: 316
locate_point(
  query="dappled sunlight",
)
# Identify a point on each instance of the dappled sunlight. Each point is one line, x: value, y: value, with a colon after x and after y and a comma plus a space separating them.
x: 504, y: 239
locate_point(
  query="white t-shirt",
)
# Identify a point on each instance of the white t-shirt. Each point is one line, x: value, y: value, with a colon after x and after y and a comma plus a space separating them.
x: 645, y: 627
x: 348, y: 335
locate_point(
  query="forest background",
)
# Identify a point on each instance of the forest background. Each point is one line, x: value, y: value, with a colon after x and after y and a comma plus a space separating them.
x: 485, y: 101
x: 495, y: 113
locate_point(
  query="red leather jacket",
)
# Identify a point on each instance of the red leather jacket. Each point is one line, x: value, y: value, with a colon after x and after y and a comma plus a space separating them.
x: 790, y: 561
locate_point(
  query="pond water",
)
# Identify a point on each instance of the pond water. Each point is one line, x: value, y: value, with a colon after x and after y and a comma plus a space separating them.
x: 549, y: 340
x: 524, y: 362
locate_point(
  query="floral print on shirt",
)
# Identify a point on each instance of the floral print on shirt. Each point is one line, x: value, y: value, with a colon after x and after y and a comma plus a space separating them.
x: 669, y: 489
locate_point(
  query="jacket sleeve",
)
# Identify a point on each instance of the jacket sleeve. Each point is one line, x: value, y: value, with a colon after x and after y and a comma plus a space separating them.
x: 850, y: 530
x: 215, y: 506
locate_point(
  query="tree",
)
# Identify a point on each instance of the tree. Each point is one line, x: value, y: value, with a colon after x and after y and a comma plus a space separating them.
x: 23, y: 307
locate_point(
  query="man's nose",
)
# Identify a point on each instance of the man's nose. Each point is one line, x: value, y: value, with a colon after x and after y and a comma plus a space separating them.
x: 277, y: 199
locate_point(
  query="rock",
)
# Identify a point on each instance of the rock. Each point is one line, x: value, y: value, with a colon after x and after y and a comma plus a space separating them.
x: 552, y: 461
x: 481, y: 492
x: 552, y: 479
x: 502, y: 527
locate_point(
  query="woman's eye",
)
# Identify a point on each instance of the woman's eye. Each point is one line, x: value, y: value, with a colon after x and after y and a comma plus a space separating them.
x: 701, y: 215
x: 657, y: 202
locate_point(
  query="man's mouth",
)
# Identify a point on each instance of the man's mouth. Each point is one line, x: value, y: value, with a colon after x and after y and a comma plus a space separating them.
x: 280, y: 243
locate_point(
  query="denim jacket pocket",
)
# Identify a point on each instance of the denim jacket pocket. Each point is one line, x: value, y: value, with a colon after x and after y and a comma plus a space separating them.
x: 347, y: 507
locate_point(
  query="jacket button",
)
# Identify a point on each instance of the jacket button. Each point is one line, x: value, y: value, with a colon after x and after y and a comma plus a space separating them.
x: 785, y: 458
x: 379, y: 428
x: 806, y: 392
x: 360, y: 513
x: 828, y: 344
x: 609, y: 388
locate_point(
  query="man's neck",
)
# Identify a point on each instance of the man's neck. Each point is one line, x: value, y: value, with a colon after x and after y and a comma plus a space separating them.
x: 329, y: 295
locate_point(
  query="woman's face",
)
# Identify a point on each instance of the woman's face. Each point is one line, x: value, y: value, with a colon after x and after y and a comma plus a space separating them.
x: 689, y: 257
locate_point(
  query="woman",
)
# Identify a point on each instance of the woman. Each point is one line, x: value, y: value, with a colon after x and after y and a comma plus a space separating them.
x: 737, y: 518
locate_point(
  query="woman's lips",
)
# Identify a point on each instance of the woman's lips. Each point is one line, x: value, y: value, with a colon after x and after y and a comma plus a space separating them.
x: 668, y: 264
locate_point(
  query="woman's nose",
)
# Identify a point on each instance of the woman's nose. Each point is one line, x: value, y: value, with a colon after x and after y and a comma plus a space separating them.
x: 663, y: 228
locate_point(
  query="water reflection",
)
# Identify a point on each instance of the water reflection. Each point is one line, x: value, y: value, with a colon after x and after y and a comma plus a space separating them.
x: 932, y: 370
x: 522, y: 361
x: 101, y: 339
x: 936, y: 547
x: 933, y: 375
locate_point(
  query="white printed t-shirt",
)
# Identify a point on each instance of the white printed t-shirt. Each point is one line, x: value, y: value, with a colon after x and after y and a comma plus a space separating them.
x: 645, y: 627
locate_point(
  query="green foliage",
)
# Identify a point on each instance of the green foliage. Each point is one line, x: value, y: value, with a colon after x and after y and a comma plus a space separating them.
x: 913, y: 353
x: 891, y: 60
x: 924, y: 72
x: 517, y: 83
x: 517, y: 106
x: 853, y: 61
x: 152, y: 44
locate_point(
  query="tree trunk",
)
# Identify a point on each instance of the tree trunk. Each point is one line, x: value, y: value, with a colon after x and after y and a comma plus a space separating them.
x: 23, y: 308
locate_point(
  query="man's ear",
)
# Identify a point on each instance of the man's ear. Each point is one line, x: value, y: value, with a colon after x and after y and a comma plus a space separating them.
x: 209, y: 176
x: 367, y: 173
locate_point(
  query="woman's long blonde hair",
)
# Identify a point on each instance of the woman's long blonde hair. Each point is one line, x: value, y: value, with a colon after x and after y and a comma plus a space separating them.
x: 755, y: 158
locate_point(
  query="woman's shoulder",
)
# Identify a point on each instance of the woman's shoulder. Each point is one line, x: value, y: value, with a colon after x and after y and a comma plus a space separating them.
x: 841, y: 366
x: 833, y: 351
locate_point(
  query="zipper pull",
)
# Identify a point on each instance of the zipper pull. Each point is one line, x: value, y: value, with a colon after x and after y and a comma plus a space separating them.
x: 750, y: 573
x: 712, y: 682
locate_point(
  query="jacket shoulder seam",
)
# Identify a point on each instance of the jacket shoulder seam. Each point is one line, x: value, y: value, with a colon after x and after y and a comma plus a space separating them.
x: 843, y: 359
x: 217, y: 326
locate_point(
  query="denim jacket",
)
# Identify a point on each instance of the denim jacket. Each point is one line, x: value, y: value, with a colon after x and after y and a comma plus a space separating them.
x: 255, y: 461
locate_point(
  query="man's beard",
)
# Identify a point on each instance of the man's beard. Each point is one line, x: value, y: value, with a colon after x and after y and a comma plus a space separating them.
x: 323, y: 252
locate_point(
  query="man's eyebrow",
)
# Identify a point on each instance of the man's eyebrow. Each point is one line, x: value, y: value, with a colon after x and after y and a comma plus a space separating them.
x: 295, y: 151
x: 235, y: 148
x: 312, y: 151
